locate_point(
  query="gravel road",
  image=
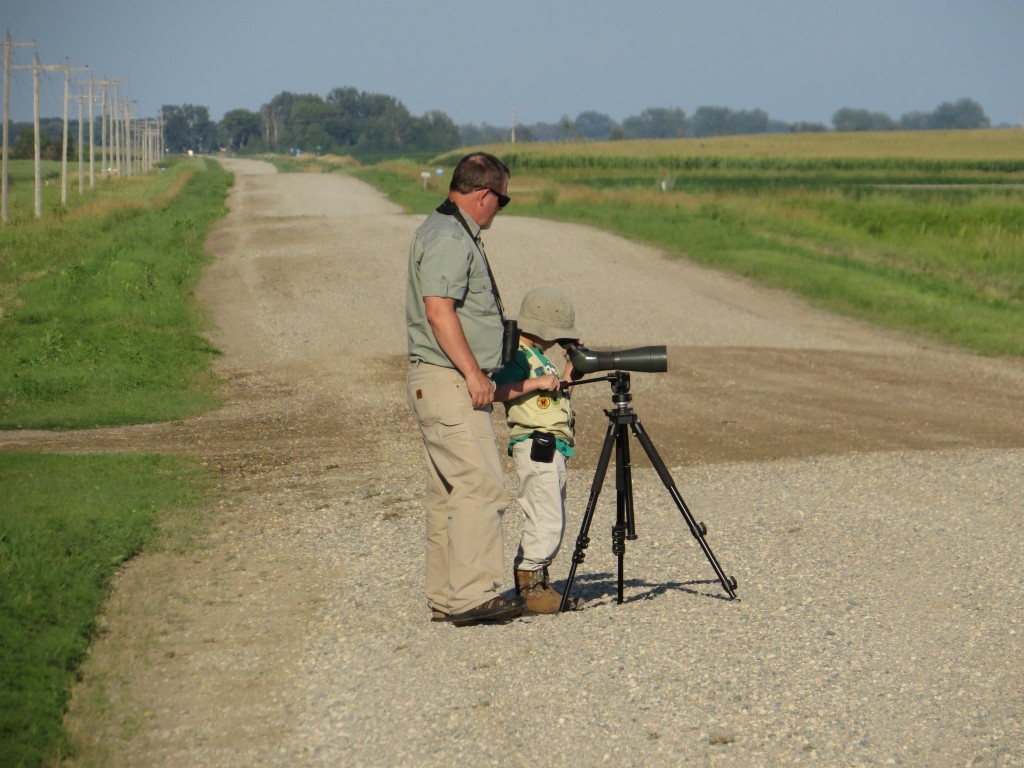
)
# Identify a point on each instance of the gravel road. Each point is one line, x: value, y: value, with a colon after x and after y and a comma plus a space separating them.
x: 864, y: 488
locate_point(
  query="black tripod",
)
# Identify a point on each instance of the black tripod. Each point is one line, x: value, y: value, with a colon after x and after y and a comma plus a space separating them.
x: 621, y: 416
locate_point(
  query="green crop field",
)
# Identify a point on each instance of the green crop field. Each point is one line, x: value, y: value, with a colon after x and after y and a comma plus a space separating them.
x: 921, y: 231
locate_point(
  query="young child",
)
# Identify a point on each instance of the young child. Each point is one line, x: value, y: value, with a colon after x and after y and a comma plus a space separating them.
x: 540, y: 421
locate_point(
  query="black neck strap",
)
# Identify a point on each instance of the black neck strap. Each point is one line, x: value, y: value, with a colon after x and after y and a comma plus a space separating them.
x: 449, y: 208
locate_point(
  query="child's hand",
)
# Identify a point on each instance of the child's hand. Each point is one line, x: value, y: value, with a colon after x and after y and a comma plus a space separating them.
x: 547, y: 383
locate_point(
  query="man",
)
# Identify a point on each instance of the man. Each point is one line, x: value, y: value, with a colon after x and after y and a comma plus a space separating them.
x: 454, y: 321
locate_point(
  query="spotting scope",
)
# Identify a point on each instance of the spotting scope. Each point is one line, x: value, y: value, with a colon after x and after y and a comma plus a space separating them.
x: 643, y: 359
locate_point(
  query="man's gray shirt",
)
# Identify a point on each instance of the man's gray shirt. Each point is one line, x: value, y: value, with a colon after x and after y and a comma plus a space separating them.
x: 445, y: 261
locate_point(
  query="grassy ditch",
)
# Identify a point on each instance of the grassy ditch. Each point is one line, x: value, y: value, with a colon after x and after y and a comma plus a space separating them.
x: 921, y: 232
x: 68, y: 523
x: 97, y: 327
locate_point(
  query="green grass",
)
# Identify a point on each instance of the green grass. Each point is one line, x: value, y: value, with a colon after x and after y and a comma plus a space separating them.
x: 68, y: 523
x: 96, y: 322
x: 919, y: 232
x: 97, y: 327
x: 21, y: 175
x: 393, y: 179
x: 109, y: 192
x: 960, y: 281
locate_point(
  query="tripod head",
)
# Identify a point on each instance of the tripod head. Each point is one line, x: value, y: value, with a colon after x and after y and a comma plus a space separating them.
x: 619, y: 380
x: 620, y: 389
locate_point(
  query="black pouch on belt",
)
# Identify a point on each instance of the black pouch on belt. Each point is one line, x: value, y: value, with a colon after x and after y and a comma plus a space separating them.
x: 543, y: 449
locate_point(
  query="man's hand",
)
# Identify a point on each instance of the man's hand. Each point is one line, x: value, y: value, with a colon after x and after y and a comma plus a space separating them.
x: 448, y: 332
x: 481, y: 389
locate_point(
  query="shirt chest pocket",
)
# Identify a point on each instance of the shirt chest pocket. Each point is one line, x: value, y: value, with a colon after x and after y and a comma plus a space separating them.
x: 480, y: 296
x: 479, y: 284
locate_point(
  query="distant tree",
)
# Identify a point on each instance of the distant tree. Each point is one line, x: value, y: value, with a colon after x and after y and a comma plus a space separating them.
x: 806, y: 127
x: 176, y: 137
x: 778, y: 126
x: 352, y: 120
x: 721, y: 121
x: 594, y: 125
x: 435, y: 131
x: 188, y: 127
x: 655, y: 123
x: 347, y: 114
x: 386, y: 124
x: 525, y: 133
x: 25, y: 145
x: 963, y: 114
x: 51, y: 139
x: 543, y: 131
x: 276, y: 119
x: 848, y: 119
x: 709, y: 121
x: 473, y: 135
x: 915, y: 121
x: 567, y: 129
x: 306, y: 125
x: 748, y: 121
x: 51, y: 151
x: 238, y: 127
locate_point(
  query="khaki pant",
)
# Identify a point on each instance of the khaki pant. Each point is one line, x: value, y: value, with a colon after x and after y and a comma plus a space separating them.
x: 542, y: 497
x: 465, y: 496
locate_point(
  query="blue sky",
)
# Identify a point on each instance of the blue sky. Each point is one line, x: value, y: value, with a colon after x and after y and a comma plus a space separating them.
x: 799, y: 60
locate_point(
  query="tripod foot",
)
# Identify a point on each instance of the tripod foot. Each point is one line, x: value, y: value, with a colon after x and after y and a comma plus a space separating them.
x: 571, y: 604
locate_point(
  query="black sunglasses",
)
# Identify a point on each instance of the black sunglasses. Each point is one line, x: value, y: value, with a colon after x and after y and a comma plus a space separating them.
x: 503, y: 200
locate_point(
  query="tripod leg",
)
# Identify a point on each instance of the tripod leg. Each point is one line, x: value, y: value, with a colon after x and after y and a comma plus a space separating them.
x: 582, y: 541
x: 625, y: 527
x: 697, y: 529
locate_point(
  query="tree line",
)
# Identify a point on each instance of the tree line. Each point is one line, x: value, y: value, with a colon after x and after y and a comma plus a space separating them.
x: 674, y: 123
x: 51, y: 139
x: 346, y: 121
x: 349, y: 121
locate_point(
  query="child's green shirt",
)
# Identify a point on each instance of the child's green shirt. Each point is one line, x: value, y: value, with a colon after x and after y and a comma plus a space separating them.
x: 549, y: 412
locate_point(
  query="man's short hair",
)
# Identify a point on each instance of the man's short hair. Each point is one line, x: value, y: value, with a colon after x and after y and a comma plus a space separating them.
x: 478, y: 170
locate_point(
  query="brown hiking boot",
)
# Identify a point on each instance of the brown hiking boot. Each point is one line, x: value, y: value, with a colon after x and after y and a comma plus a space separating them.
x: 540, y: 597
x: 496, y: 609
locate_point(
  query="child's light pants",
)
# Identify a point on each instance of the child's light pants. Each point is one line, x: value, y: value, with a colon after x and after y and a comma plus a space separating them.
x: 542, y: 497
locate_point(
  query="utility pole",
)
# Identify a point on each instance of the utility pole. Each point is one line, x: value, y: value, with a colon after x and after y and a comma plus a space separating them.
x: 81, y: 157
x: 115, y: 128
x: 37, y: 69
x: 110, y: 125
x: 104, y: 135
x: 92, y: 141
x: 160, y: 139
x: 68, y: 69
x: 114, y: 156
x: 143, y: 146
x: 8, y: 45
x: 148, y: 142
x: 129, y: 146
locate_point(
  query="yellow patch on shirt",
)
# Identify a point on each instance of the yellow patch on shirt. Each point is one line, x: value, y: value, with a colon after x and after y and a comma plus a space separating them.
x: 543, y: 402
